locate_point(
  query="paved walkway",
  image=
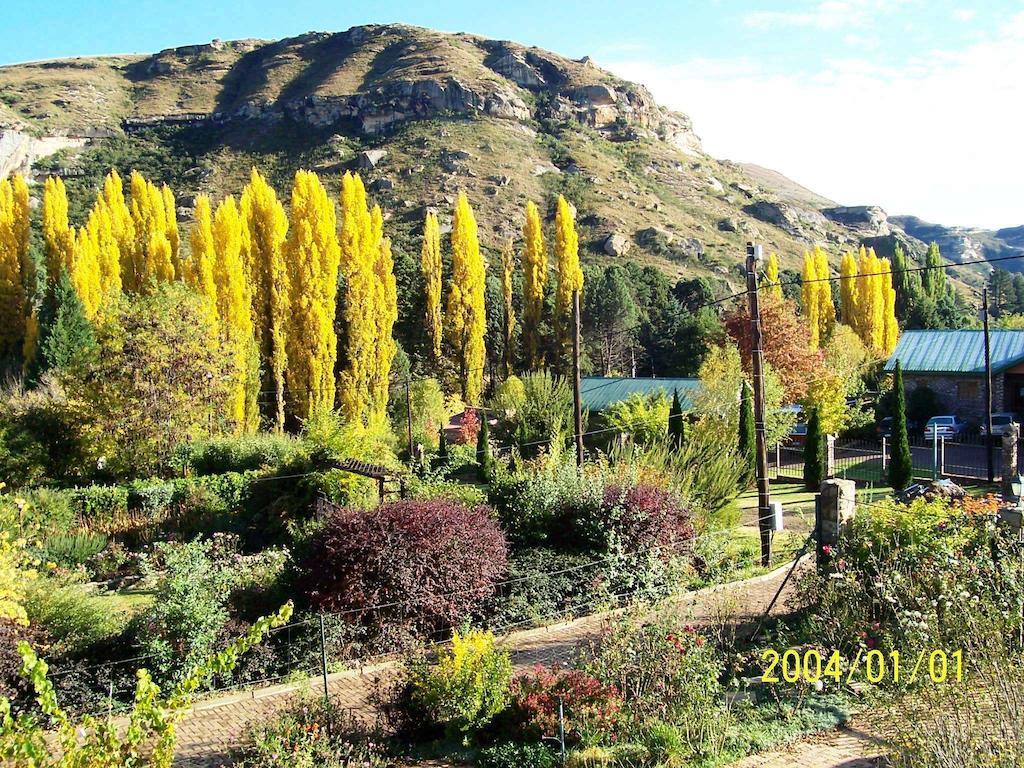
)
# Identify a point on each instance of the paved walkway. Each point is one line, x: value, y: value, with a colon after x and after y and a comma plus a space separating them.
x: 846, y: 747
x: 217, y: 727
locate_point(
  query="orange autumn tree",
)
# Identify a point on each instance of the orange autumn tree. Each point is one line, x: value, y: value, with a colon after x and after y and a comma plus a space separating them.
x: 786, y: 341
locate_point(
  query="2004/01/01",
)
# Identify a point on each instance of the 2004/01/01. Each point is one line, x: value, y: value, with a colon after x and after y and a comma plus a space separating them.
x: 810, y: 666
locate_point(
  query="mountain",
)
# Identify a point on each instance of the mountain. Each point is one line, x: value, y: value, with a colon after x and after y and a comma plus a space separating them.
x: 422, y: 114
x: 967, y: 243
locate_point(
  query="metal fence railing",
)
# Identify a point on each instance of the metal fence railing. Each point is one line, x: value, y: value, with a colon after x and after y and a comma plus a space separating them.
x: 964, y: 458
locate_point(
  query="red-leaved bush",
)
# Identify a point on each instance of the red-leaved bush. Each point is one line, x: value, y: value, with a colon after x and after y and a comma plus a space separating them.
x: 589, y: 706
x: 645, y: 517
x: 430, y: 563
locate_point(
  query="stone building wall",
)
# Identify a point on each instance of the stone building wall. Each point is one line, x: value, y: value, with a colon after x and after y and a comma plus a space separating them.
x: 963, y: 396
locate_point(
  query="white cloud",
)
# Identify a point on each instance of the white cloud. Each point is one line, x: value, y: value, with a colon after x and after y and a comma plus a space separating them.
x: 938, y: 137
x: 964, y: 14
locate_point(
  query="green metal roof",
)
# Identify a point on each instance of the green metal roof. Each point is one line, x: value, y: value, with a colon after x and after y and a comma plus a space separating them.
x: 956, y: 352
x: 599, y: 392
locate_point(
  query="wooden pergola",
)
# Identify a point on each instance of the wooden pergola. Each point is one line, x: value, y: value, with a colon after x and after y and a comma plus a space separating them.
x: 389, y: 481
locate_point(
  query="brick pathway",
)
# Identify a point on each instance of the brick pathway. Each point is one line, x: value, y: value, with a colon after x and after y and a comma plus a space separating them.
x: 846, y: 747
x: 216, y: 727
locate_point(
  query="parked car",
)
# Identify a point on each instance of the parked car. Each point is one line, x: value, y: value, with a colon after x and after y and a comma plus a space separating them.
x: 884, y: 427
x: 1000, y: 421
x: 945, y: 427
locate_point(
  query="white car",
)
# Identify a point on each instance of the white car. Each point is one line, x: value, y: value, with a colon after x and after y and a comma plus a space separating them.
x: 945, y: 427
x: 1000, y: 421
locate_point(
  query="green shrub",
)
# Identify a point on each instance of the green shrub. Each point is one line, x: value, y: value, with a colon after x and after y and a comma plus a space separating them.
x: 544, y: 584
x: 534, y: 504
x: 515, y: 755
x: 433, y: 486
x: 45, y: 509
x: 192, y: 585
x: 75, y: 618
x: 71, y: 549
x: 100, y: 503
x: 216, y: 456
x: 467, y: 686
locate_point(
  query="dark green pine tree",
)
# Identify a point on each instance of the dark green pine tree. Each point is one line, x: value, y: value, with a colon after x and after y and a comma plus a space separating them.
x: 442, y: 448
x: 483, y: 450
x: 815, y: 453
x: 65, y: 334
x: 901, y: 467
x: 747, y: 443
x: 676, y: 422
x: 933, y: 278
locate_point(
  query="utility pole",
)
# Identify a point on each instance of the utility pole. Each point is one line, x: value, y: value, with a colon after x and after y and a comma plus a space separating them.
x: 988, y: 388
x: 576, y: 399
x: 757, y: 370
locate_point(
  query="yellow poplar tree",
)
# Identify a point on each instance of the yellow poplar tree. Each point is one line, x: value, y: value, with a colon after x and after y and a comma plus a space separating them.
x: 263, y: 237
x: 57, y: 235
x: 171, y: 222
x: 12, y: 287
x: 312, y: 257
x: 85, y: 267
x: 199, y: 271
x: 570, y: 276
x: 234, y: 316
x: 535, y: 280
x: 467, y: 320
x: 848, y: 291
x: 508, y: 265
x: 430, y: 262
x: 385, y: 315
x: 102, y: 229
x: 153, y: 254
x: 891, y: 328
x: 809, y: 298
x: 826, y: 307
x: 359, y: 253
x: 773, y: 288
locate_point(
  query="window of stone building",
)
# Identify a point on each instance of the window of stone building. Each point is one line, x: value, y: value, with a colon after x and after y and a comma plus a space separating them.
x: 966, y: 390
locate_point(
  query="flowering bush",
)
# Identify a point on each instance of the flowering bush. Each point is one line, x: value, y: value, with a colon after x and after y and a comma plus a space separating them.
x: 915, y: 577
x: 427, y: 563
x: 589, y: 706
x: 467, y: 686
x: 311, y: 734
x: 663, y: 670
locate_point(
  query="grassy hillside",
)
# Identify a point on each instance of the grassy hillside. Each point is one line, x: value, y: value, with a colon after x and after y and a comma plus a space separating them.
x: 453, y: 111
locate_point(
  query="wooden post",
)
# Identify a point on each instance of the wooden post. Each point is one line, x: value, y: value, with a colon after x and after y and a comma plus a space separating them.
x: 1010, y: 442
x: 830, y: 455
x: 757, y: 366
x: 885, y: 462
x: 576, y: 397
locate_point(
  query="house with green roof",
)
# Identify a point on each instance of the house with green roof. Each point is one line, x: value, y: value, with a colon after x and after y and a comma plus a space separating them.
x: 598, y: 393
x: 952, y: 365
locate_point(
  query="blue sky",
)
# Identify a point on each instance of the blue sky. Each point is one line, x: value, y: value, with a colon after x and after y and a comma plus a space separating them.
x: 912, y: 104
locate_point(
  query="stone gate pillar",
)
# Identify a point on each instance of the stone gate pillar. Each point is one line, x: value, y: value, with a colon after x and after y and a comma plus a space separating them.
x: 836, y: 509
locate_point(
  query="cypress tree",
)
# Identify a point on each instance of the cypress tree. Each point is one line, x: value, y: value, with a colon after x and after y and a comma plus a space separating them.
x: 483, y: 450
x: 815, y: 459
x: 66, y: 334
x: 747, y: 439
x: 442, y: 447
x: 676, y: 424
x: 901, y: 467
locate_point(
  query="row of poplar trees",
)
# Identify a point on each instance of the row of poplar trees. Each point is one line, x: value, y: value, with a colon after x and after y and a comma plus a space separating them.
x: 269, y: 281
x: 867, y: 297
x: 463, y: 320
